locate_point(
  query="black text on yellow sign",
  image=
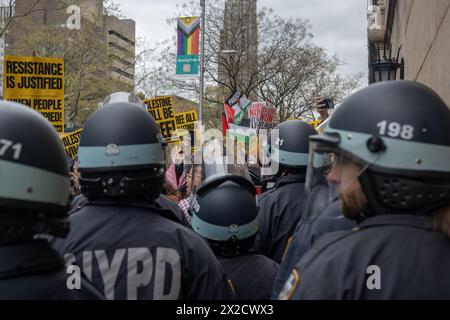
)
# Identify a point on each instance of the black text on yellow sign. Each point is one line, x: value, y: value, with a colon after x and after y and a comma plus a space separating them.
x: 38, y: 83
x: 71, y: 142
x: 186, y: 120
x: 161, y: 109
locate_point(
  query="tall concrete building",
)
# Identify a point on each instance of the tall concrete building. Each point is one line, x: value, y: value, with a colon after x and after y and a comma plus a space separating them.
x: 120, y: 37
x: 117, y: 34
x: 419, y: 33
x: 239, y: 42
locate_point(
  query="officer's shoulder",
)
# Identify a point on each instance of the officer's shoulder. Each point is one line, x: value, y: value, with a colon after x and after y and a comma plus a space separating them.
x: 77, y: 203
x: 267, y: 195
x: 265, y: 261
x: 336, y: 244
x: 330, y: 244
x: 187, y: 237
x: 334, y: 237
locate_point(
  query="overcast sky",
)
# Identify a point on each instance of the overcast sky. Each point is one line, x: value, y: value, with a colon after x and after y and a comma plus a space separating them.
x: 337, y: 26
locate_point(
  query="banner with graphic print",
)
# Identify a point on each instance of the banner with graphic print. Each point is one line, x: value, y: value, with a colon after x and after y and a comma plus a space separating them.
x: 188, y: 31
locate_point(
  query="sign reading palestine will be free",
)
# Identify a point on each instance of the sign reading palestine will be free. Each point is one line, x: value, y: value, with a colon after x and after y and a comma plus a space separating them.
x: 161, y: 109
x: 38, y: 83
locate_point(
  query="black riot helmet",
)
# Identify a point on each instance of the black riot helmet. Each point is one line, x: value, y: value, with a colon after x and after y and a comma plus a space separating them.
x: 292, y: 146
x: 225, y: 214
x: 223, y: 206
x: 398, y: 133
x: 121, y: 154
x: 34, y: 179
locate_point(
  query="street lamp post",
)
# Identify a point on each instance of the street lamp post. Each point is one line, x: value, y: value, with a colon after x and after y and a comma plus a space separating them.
x: 202, y: 63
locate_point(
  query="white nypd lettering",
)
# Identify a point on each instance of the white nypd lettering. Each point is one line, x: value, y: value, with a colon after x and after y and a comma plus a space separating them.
x: 172, y: 258
x: 87, y: 264
x: 136, y: 279
x: 109, y: 272
x: 142, y: 270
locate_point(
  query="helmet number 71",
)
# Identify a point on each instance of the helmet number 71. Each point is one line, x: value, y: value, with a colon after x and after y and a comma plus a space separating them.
x: 7, y: 144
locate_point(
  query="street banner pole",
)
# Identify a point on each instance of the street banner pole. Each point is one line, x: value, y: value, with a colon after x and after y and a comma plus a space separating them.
x: 202, y: 63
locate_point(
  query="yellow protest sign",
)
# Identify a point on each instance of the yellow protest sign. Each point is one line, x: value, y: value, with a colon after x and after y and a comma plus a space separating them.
x: 186, y: 120
x: 71, y: 142
x: 161, y: 109
x: 38, y: 83
x: 315, y: 123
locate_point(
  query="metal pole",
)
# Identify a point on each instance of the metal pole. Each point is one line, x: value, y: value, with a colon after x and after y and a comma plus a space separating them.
x: 202, y: 63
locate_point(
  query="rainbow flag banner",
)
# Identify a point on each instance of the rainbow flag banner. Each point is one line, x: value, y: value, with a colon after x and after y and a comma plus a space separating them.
x: 188, y: 44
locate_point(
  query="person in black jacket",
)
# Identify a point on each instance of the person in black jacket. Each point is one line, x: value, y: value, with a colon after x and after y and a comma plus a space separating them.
x: 390, y: 143
x: 125, y: 243
x: 34, y: 197
x: 309, y: 230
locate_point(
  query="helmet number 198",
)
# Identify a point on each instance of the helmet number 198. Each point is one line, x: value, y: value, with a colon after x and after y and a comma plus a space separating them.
x: 396, y: 130
x: 5, y: 145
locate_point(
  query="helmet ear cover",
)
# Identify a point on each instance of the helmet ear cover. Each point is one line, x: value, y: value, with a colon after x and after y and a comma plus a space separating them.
x: 391, y: 194
x: 139, y: 184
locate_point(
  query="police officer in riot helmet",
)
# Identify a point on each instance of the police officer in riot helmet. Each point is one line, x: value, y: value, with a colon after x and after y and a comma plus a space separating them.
x: 34, y: 198
x: 127, y: 245
x: 390, y: 144
x: 281, y: 207
x: 321, y: 214
x: 224, y: 212
x: 162, y: 201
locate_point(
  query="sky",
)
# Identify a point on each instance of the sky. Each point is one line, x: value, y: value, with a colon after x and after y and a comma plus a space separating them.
x: 338, y: 26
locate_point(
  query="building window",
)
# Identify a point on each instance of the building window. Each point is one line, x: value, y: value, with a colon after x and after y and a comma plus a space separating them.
x: 120, y: 48
x: 118, y: 35
x: 122, y: 61
x: 123, y: 73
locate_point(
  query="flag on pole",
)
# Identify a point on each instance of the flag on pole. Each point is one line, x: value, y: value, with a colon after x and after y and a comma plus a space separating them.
x: 236, y: 107
x: 188, y: 29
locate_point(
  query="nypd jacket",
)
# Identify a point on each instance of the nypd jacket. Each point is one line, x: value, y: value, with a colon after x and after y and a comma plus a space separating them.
x: 251, y: 275
x: 384, y: 257
x: 280, y: 210
x: 131, y: 252
x: 307, y: 232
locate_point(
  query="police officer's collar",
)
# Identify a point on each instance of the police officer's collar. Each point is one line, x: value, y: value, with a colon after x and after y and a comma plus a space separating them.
x: 294, y: 178
x: 414, y: 221
x: 136, y: 203
x: 28, y: 257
